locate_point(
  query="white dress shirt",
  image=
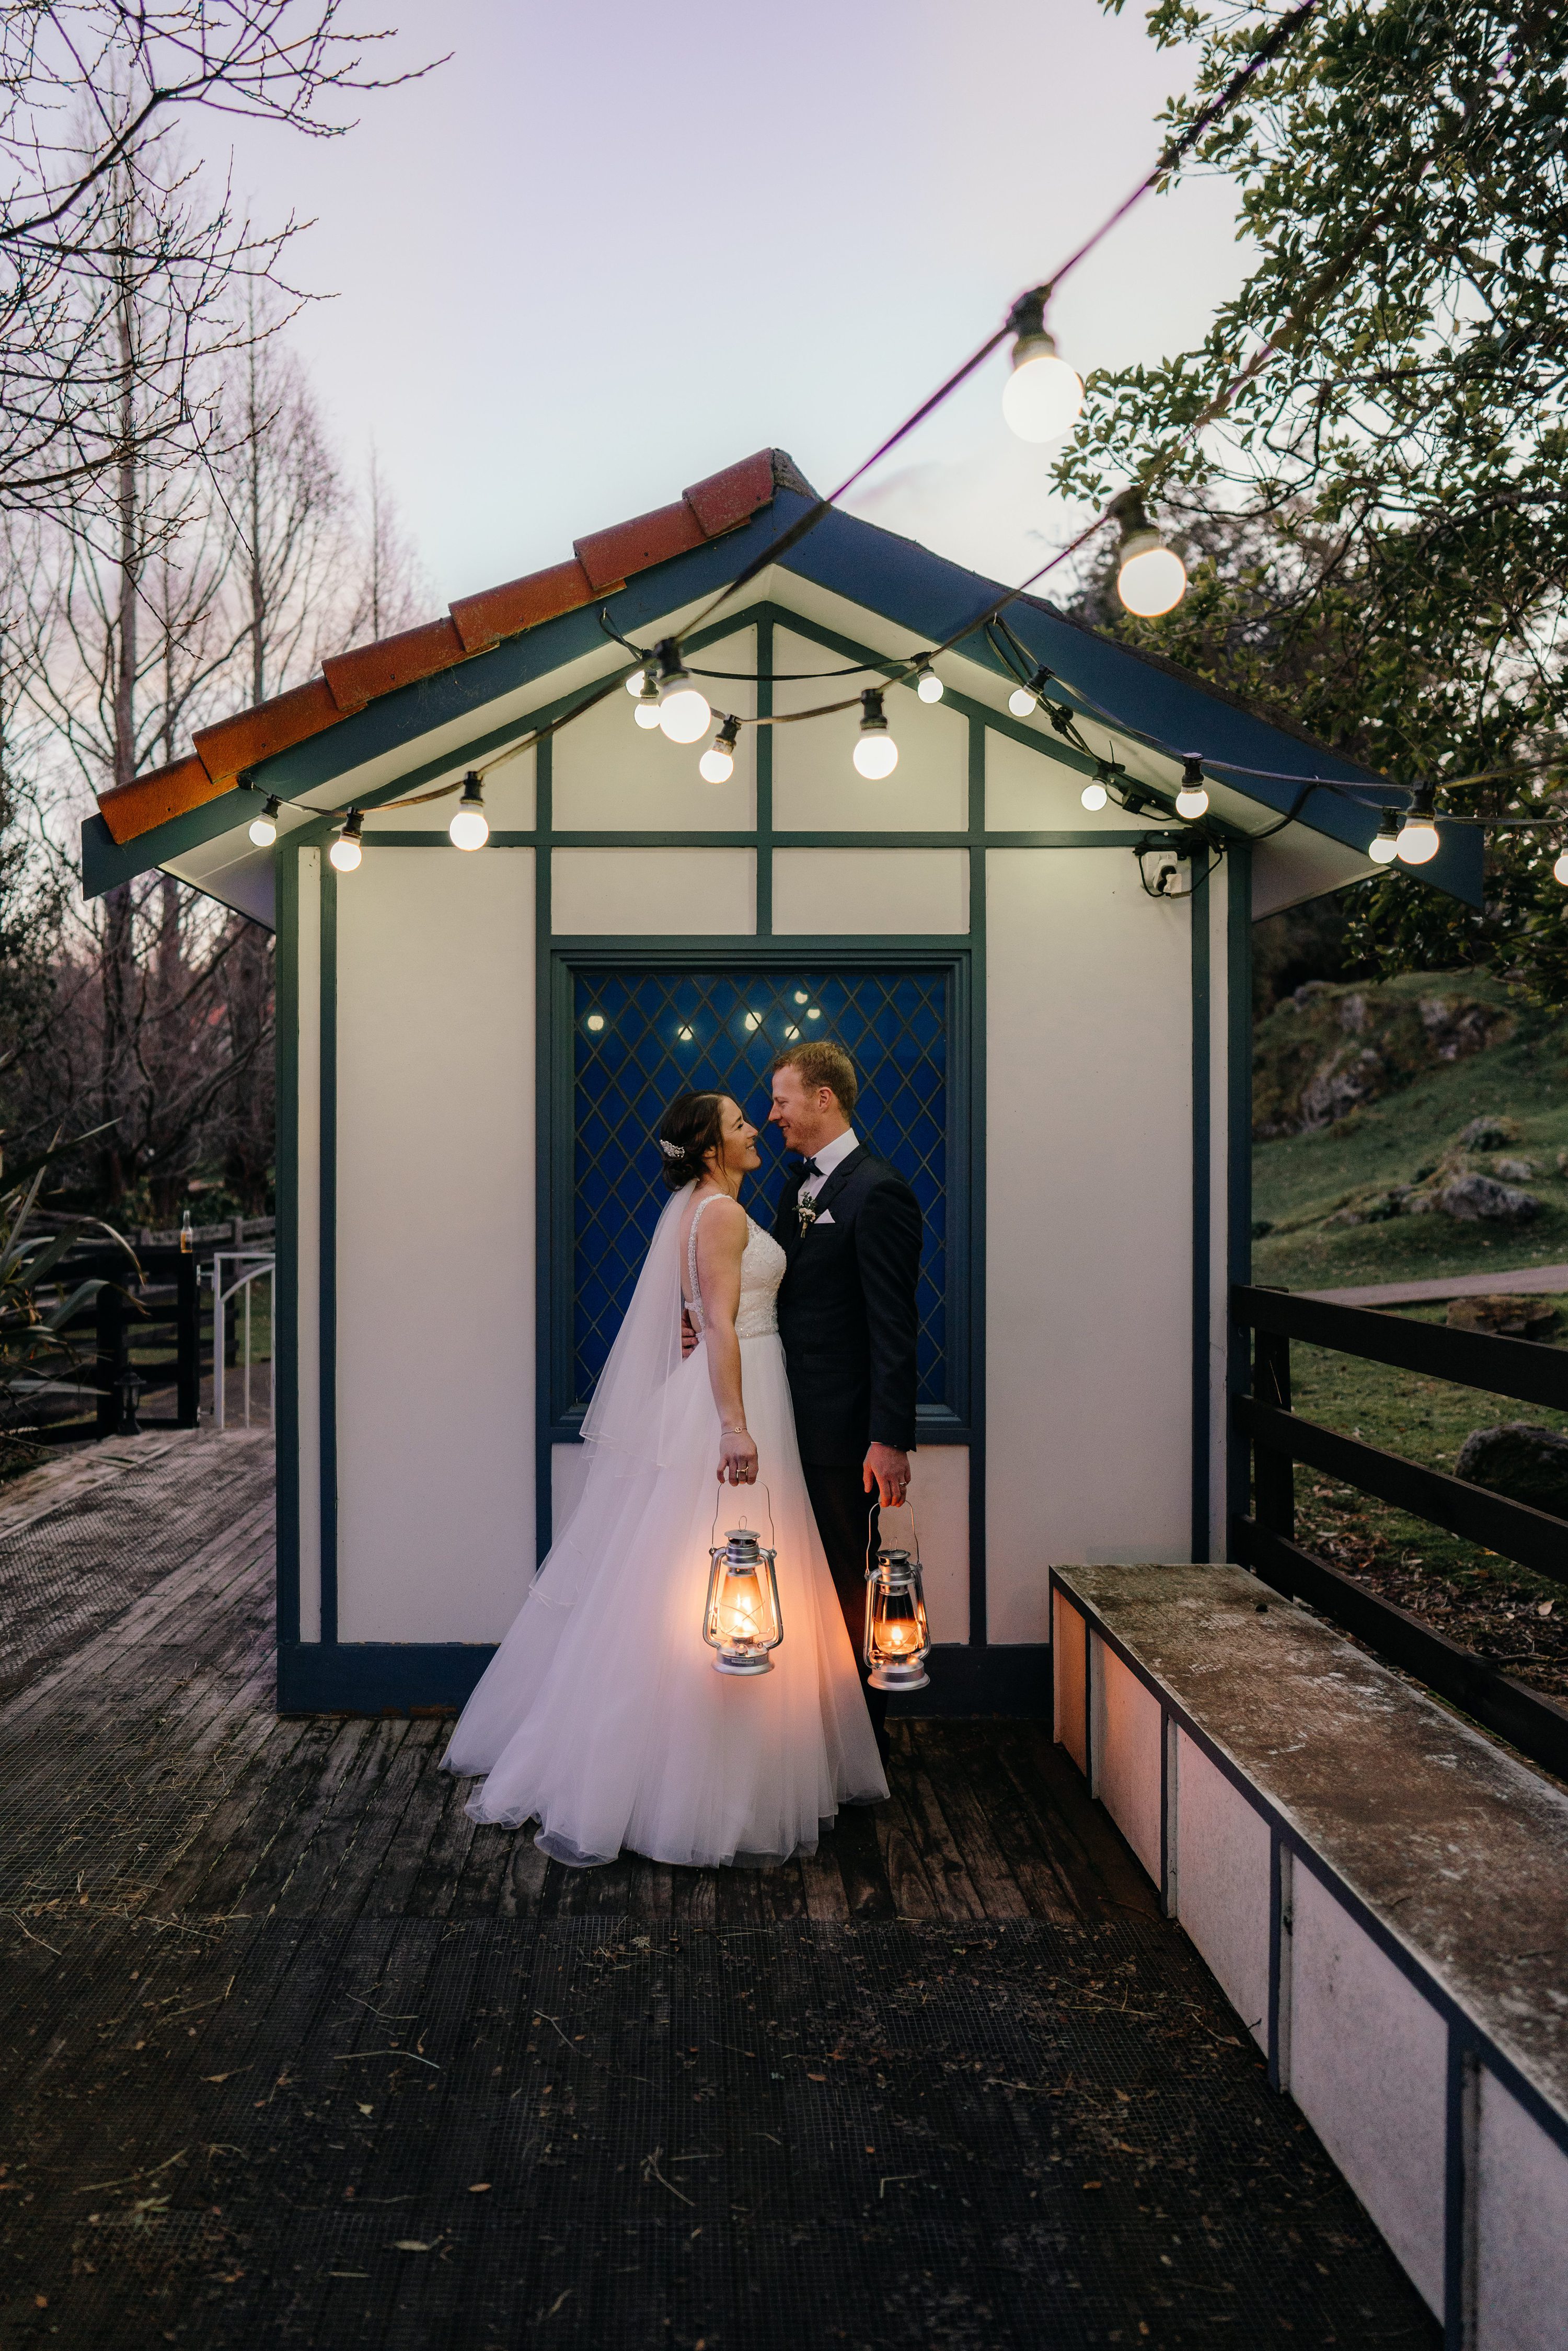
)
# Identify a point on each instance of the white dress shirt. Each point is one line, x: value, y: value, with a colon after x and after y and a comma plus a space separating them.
x: 827, y: 1159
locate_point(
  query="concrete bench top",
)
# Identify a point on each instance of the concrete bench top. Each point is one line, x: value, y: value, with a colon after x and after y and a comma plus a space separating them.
x: 1458, y: 1848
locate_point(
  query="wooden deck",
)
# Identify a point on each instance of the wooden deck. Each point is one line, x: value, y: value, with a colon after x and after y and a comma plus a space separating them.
x: 951, y: 2082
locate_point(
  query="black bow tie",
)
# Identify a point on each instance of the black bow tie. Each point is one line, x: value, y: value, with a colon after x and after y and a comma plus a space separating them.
x: 809, y: 1167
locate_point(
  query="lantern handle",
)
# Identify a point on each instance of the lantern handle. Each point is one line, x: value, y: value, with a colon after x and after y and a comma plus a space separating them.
x: 907, y: 1504
x: 772, y: 1531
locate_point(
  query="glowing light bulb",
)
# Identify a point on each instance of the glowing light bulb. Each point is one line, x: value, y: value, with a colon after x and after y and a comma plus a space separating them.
x: 345, y: 852
x: 1418, y: 842
x: 1384, y: 849
x: 717, y: 762
x: 1560, y: 870
x: 683, y: 713
x: 1152, y: 580
x: 928, y: 685
x: 875, y: 753
x: 1095, y: 795
x: 1192, y: 800
x: 1152, y: 577
x: 1043, y: 395
x: 263, y: 829
x: 638, y: 682
x: 470, y: 827
x: 647, y: 711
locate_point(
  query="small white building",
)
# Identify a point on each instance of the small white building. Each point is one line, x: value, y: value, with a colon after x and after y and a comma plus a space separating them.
x: 1049, y: 1007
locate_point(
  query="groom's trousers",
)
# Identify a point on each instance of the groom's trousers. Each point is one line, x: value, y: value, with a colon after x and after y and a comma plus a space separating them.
x: 847, y: 1520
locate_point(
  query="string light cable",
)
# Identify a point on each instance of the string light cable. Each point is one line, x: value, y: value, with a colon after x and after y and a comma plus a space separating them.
x: 684, y: 712
x: 1025, y: 322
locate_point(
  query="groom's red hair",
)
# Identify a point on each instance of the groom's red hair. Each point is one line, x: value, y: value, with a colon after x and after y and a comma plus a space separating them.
x: 819, y: 1062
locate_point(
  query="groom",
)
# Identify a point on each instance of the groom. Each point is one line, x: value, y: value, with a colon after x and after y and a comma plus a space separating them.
x: 850, y: 1227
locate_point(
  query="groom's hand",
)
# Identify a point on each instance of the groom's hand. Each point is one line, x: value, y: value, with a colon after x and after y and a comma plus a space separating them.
x: 886, y: 1472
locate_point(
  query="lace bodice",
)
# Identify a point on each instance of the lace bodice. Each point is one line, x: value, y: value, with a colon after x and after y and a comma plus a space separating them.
x: 762, y: 1263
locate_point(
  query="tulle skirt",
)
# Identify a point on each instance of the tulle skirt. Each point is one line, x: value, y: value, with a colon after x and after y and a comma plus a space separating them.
x: 602, y: 1715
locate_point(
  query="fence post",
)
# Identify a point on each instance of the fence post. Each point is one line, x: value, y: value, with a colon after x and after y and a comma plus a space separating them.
x: 117, y: 1383
x: 188, y: 1342
x: 1273, y: 1473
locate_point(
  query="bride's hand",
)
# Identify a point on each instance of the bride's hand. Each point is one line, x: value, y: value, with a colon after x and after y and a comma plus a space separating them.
x: 737, y: 1458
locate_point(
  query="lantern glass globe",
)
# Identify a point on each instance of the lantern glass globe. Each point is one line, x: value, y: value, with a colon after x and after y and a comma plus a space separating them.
x: 469, y: 828
x: 1043, y: 395
x: 345, y: 853
x: 877, y: 754
x: 1094, y: 796
x: 1192, y: 800
x: 1560, y: 870
x: 263, y: 831
x: 683, y: 713
x: 717, y: 766
x: 1021, y: 702
x: 1417, y: 841
x: 1152, y: 580
x: 929, y: 686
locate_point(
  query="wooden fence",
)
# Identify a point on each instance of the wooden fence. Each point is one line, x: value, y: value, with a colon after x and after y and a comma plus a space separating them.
x: 1537, y: 1725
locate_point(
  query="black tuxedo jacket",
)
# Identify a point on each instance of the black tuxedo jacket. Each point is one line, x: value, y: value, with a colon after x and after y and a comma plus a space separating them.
x: 846, y: 1312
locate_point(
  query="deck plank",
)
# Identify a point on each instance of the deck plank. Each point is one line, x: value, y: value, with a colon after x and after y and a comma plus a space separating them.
x: 293, y: 2037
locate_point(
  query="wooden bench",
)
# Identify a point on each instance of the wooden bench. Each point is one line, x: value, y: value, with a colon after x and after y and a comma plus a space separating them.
x: 1382, y: 1891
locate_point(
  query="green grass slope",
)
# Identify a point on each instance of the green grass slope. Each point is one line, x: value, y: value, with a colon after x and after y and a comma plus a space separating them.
x: 1390, y: 1041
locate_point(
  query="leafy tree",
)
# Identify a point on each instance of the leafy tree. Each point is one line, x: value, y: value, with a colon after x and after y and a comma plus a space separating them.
x: 1367, y: 458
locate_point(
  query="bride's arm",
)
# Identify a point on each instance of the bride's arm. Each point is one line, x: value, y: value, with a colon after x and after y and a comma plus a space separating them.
x: 721, y: 1242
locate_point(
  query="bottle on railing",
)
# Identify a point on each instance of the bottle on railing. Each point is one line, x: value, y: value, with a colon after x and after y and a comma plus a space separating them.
x: 187, y: 1238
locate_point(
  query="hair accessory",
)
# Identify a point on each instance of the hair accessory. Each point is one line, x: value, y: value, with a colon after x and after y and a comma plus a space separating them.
x: 671, y: 1149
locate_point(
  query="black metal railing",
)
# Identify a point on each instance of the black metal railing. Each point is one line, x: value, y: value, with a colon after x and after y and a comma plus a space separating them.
x: 1279, y: 1438
x: 164, y: 1307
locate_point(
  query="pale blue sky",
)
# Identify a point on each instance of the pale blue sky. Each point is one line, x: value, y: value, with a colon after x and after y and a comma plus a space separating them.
x: 607, y: 250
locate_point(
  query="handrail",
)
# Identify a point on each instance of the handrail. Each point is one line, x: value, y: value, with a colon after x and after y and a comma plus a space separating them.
x: 265, y: 1266
x: 1279, y: 1438
x: 1534, y: 1538
x: 1470, y: 1359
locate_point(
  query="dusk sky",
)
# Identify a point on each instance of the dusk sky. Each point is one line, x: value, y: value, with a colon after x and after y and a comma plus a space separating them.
x: 607, y: 250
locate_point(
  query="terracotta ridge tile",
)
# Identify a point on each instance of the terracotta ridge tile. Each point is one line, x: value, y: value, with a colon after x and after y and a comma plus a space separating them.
x: 147, y: 801
x: 483, y: 620
x: 370, y: 671
x: 724, y: 501
x: 233, y: 744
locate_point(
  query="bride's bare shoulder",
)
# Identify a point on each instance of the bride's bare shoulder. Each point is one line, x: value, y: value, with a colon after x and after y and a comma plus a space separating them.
x: 722, y: 1219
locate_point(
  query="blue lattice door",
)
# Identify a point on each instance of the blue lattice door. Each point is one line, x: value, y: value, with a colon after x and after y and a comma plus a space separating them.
x: 639, y: 1035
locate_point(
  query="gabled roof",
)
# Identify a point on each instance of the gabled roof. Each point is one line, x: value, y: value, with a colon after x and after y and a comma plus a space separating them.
x: 438, y: 690
x: 601, y: 564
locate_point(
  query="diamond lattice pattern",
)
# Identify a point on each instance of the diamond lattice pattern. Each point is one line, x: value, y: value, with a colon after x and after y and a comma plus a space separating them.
x: 643, y: 1037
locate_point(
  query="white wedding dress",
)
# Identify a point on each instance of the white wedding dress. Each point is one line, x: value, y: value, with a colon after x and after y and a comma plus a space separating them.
x: 601, y: 1714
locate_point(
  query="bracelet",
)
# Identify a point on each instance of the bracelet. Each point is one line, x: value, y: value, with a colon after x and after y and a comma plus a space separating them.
x: 725, y: 1430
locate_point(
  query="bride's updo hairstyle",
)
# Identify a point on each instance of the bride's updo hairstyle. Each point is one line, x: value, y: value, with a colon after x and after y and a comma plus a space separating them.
x: 691, y: 1127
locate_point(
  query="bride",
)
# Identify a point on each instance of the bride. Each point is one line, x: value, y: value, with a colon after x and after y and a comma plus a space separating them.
x: 601, y: 1714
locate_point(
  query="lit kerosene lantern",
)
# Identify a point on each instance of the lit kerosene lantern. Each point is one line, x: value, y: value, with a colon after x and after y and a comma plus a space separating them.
x: 743, y: 1620
x: 897, y: 1635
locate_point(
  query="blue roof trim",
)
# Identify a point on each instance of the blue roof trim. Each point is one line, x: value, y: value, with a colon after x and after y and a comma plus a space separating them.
x: 905, y: 581
x: 105, y: 865
x: 869, y: 567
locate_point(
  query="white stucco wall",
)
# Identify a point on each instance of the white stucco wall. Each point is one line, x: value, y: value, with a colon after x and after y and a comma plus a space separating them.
x: 1088, y: 1164
x: 434, y: 1245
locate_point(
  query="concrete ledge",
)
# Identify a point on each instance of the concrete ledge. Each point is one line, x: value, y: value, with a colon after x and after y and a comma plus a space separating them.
x: 1381, y: 1892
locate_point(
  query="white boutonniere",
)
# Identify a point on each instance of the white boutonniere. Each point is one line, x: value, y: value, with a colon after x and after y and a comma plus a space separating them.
x: 806, y: 1209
